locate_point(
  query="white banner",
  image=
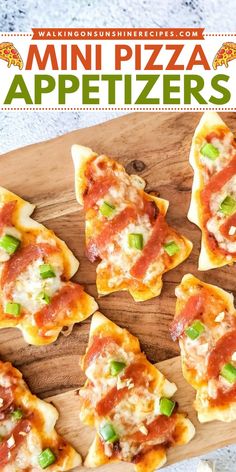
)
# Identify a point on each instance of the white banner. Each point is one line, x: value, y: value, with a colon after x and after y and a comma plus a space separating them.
x: 111, y: 69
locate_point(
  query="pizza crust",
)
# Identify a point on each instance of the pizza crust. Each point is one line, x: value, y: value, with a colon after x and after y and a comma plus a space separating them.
x: 207, y: 259
x: 154, y: 459
x: 207, y: 414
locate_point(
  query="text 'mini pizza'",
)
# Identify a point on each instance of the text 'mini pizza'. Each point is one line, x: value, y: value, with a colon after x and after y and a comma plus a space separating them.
x: 125, y: 227
x: 128, y: 401
x: 36, y: 294
x: 205, y: 325
x: 29, y: 441
x: 213, y: 202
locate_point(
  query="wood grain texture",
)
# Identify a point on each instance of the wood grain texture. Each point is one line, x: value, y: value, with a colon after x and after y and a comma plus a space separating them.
x: 208, y: 437
x: 43, y: 174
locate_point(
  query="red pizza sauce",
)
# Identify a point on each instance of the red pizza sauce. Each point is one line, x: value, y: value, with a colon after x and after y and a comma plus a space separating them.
x: 193, y: 309
x: 6, y: 213
x: 96, y: 348
x: 7, y: 454
x: 65, y: 299
x: 97, y: 189
x: 136, y: 373
x: 224, y: 397
x: 225, y: 227
x: 161, y: 427
x: 97, y: 244
x: 221, y: 354
x: 19, y: 262
x: 151, y: 249
x: 216, y: 182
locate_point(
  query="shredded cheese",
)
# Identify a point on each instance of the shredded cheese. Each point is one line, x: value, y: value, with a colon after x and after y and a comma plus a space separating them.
x: 11, y: 442
x: 232, y: 230
x: 203, y: 349
x: 143, y: 429
x: 29, y: 285
x: 220, y: 317
x: 233, y: 356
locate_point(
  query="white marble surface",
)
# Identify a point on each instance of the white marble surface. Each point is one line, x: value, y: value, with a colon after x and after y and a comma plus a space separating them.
x: 19, y: 129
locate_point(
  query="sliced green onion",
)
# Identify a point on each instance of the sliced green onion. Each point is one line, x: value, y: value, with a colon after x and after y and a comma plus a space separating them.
x: 108, y: 433
x: 166, y: 406
x: 116, y: 367
x: 208, y: 150
x: 46, y: 458
x: 9, y: 243
x: 46, y: 271
x: 17, y: 414
x: 195, y: 330
x: 44, y: 297
x: 136, y: 240
x: 107, y: 209
x: 171, y: 248
x: 229, y: 373
x: 13, y: 309
x: 228, y: 206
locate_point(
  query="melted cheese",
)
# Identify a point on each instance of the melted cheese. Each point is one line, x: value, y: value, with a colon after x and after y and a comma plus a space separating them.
x: 120, y: 260
x: 99, y: 371
x: 30, y: 450
x: 196, y: 351
x: 213, y: 226
x: 225, y: 148
x: 6, y: 427
x: 29, y: 285
x: 140, y: 406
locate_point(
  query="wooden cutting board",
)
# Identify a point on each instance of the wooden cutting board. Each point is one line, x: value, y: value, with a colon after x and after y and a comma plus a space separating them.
x: 156, y: 146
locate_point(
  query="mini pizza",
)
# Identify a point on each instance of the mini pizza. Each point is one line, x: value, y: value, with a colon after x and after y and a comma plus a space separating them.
x: 125, y: 227
x: 213, y: 202
x: 9, y: 53
x: 36, y: 294
x: 29, y: 441
x: 128, y: 401
x: 205, y: 324
x: 226, y: 53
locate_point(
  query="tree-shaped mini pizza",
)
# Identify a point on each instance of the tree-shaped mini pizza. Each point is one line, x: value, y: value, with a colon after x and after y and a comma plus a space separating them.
x: 205, y: 325
x: 29, y: 441
x: 213, y: 202
x: 128, y: 401
x: 36, y: 294
x: 126, y: 228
